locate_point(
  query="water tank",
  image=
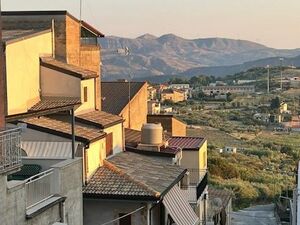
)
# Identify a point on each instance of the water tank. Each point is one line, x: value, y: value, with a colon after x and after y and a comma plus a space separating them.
x: 152, y: 134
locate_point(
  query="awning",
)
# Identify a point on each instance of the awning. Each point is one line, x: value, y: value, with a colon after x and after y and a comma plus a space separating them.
x: 179, y: 208
x: 44, y: 149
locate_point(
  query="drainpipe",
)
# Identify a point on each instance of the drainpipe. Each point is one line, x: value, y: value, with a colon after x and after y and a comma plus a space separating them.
x: 149, y: 212
x: 73, y: 132
x: 53, y: 37
x: 2, y: 79
x: 62, y: 212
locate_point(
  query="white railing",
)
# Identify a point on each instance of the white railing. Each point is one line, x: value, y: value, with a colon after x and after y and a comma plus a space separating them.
x: 39, y: 187
x: 10, y: 150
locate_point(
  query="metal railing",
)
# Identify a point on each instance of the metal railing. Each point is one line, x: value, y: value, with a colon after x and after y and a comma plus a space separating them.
x: 196, y: 175
x: 89, y: 41
x: 39, y: 187
x: 10, y: 149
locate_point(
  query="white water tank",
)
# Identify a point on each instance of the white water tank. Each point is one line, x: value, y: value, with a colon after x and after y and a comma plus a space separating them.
x: 152, y: 134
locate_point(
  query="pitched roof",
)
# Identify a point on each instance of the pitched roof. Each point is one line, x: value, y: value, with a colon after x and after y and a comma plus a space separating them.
x: 154, y: 173
x: 99, y: 119
x: 13, y: 35
x: 110, y: 182
x: 132, y: 137
x: 129, y: 175
x: 61, y: 128
x: 115, y: 95
x: 69, y: 69
x: 186, y: 143
x: 49, y: 102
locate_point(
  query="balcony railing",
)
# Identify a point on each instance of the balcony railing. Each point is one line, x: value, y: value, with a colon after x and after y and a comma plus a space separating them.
x: 10, y: 150
x: 40, y: 187
x: 196, y: 175
x: 196, y: 184
x: 89, y: 41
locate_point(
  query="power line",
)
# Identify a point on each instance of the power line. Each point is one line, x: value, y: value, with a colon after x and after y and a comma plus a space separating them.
x: 114, y: 220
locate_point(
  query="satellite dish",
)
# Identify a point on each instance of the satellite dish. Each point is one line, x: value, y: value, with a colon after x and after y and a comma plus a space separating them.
x: 217, y: 203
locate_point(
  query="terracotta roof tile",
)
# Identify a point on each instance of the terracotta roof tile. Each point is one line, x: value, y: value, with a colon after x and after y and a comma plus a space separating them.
x: 153, y: 172
x: 111, y: 182
x: 115, y: 95
x: 60, y: 128
x: 69, y: 69
x: 99, y: 118
x: 193, y: 143
x: 54, y: 102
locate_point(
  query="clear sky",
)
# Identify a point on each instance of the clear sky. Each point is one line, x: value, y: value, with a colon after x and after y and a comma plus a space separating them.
x: 275, y: 23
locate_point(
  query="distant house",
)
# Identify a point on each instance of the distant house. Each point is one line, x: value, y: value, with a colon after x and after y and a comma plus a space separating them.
x: 283, y: 108
x: 153, y: 107
x: 211, y: 90
x: 152, y: 93
x: 229, y: 150
x: 173, y: 95
x: 115, y: 100
x: 179, y: 86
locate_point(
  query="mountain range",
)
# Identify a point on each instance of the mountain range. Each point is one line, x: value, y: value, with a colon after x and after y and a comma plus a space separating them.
x: 170, y: 55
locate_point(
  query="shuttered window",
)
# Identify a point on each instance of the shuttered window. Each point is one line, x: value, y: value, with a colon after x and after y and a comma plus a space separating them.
x: 109, y: 144
x: 85, y: 94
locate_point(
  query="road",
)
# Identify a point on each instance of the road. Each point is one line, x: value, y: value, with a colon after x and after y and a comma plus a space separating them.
x: 257, y: 215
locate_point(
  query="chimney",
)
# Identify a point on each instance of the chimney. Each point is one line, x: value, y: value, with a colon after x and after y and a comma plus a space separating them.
x: 2, y: 79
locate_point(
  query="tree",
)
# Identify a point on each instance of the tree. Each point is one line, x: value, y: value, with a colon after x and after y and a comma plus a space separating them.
x: 275, y: 103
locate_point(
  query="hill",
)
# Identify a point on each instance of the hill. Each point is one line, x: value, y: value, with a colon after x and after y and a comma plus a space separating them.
x: 171, y: 55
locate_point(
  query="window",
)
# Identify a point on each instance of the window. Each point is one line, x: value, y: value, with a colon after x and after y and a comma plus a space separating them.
x: 125, y: 220
x: 85, y: 94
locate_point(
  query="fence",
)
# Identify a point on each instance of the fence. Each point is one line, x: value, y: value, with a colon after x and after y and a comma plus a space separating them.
x: 39, y: 187
x: 10, y: 150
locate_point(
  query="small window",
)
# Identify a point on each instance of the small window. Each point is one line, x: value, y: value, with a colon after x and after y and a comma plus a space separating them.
x: 85, y: 94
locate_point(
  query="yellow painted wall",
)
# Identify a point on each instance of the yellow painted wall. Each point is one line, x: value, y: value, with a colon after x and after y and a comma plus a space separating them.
x: 23, y: 71
x: 90, y: 104
x: 203, y: 156
x: 68, y: 86
x: 138, y: 110
x: 117, y: 131
x: 96, y: 153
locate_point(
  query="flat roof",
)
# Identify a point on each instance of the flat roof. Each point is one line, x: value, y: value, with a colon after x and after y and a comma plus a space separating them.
x: 186, y: 143
x: 10, y: 36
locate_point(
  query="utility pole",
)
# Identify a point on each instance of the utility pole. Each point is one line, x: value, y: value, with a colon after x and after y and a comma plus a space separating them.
x: 281, y: 71
x: 268, y: 79
x: 2, y: 79
x: 127, y: 53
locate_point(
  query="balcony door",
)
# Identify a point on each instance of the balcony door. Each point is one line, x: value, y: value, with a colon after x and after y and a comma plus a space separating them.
x: 109, y: 144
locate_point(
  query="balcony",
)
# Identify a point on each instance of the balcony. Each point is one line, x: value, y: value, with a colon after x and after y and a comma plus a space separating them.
x: 195, y: 184
x: 89, y: 41
x: 10, y: 150
x: 40, y: 188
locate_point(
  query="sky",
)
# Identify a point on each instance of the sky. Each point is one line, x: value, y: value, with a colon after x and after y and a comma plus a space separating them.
x: 274, y: 23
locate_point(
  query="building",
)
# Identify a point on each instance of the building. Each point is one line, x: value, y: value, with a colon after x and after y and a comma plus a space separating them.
x: 179, y: 86
x: 115, y: 100
x: 188, y: 152
x: 172, y: 95
x: 239, y: 82
x: 153, y: 107
x: 283, y: 108
x: 152, y: 93
x: 213, y: 90
x: 29, y: 35
x: 219, y: 206
x: 172, y: 125
x: 142, y: 188
x: 48, y: 196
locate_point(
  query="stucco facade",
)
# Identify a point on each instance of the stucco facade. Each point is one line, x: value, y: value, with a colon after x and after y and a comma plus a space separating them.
x: 23, y: 71
x: 118, y: 136
x: 138, y: 110
x: 13, y: 198
x: 173, y: 95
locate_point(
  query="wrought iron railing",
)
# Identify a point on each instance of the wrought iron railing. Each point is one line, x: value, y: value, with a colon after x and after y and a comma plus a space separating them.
x: 10, y: 150
x: 40, y: 187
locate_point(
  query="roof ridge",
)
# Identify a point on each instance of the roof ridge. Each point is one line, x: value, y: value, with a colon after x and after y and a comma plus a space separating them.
x: 114, y: 168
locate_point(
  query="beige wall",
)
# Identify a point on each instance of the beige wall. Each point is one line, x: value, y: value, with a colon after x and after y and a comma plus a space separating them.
x: 72, y: 40
x: 90, y: 104
x: 138, y: 110
x: 117, y: 131
x: 195, y: 159
x: 96, y: 153
x: 178, y: 128
x: 175, y: 97
x: 55, y: 83
x: 23, y: 71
